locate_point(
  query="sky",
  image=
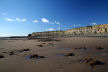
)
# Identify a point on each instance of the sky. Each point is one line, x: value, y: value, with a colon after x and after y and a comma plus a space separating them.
x: 21, y: 17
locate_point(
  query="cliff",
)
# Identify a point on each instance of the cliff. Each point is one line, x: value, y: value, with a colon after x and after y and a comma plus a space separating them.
x: 47, y: 33
x: 88, y: 30
x: 97, y: 29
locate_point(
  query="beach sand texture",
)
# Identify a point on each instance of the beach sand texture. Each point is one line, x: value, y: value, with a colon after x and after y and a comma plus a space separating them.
x: 74, y: 54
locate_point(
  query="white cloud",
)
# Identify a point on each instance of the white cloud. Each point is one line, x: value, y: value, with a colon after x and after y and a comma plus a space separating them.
x: 9, y: 19
x: 18, y: 19
x: 15, y: 19
x: 51, y: 29
x: 94, y: 23
x: 3, y: 14
x: 44, y: 20
x: 35, y: 21
x: 56, y: 22
x: 52, y: 23
x: 24, y: 19
x: 21, y: 20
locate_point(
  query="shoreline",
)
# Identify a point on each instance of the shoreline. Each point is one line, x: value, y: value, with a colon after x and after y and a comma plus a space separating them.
x: 26, y: 38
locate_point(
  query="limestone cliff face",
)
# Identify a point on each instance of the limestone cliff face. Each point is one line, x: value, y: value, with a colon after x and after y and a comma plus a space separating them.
x: 97, y: 29
x: 48, y: 33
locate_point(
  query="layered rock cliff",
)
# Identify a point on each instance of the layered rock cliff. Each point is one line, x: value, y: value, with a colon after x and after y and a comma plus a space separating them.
x: 47, y: 33
x: 97, y: 29
x: 88, y: 30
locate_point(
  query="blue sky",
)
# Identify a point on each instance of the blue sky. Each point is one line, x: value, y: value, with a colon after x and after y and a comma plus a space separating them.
x: 21, y: 17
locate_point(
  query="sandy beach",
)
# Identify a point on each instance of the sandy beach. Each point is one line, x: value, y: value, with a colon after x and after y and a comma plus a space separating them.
x: 73, y: 54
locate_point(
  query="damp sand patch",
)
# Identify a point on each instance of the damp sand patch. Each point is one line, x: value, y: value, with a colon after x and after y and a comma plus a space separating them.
x: 1, y: 56
x: 34, y: 56
x: 65, y: 54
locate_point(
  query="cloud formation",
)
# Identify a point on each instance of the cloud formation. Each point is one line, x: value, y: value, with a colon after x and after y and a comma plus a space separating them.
x: 24, y: 19
x: 15, y: 19
x: 56, y: 22
x: 35, y: 21
x: 44, y: 20
x: 51, y: 29
x: 94, y: 23
x: 20, y: 20
x: 9, y: 19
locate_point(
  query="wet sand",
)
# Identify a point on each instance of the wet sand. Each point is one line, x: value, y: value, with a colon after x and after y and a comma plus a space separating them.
x: 76, y: 54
